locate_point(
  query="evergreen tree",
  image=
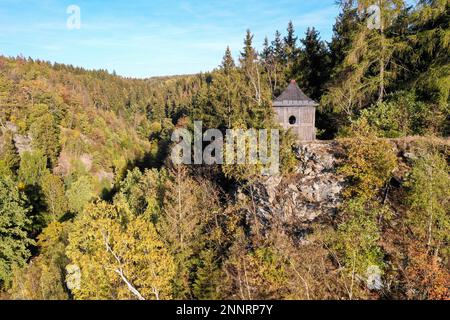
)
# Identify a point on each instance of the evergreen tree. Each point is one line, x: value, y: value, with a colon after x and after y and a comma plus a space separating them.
x: 267, y: 52
x: 55, y: 198
x: 33, y: 166
x: 341, y: 42
x: 228, y: 61
x: 9, y: 153
x: 278, y: 48
x: 45, y: 132
x: 248, y: 55
x: 368, y: 67
x: 14, y: 226
x: 313, y: 67
x: 290, y: 43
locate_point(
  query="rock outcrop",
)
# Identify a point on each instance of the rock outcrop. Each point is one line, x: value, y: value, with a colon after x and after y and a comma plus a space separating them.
x: 21, y: 142
x: 313, y: 192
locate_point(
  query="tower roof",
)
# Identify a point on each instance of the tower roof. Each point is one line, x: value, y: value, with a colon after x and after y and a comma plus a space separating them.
x: 293, y: 96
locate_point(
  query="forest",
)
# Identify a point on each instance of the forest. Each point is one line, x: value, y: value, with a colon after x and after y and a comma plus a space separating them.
x: 92, y: 208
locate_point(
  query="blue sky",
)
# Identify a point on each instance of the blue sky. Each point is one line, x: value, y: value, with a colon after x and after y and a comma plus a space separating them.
x: 143, y: 38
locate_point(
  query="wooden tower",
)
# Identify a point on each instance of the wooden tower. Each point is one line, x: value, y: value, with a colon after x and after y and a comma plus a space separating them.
x: 297, y: 112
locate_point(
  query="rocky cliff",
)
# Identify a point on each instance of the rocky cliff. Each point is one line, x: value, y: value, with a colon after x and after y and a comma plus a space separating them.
x: 315, y: 191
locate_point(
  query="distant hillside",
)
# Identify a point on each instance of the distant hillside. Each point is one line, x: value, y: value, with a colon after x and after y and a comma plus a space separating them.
x: 99, y: 116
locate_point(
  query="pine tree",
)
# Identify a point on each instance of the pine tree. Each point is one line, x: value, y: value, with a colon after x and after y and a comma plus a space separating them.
x: 426, y: 67
x: 45, y: 132
x: 290, y: 43
x: 9, y: 153
x: 120, y: 256
x: 313, y: 67
x: 345, y: 25
x: 14, y: 227
x: 278, y: 49
x: 251, y: 69
x: 228, y: 61
x: 55, y: 198
x: 248, y: 55
x: 267, y: 52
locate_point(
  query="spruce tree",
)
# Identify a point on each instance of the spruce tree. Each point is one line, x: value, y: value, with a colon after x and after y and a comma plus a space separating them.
x: 277, y: 47
x: 313, y: 67
x: 228, y: 61
x: 14, y: 227
x: 9, y: 153
x: 290, y: 43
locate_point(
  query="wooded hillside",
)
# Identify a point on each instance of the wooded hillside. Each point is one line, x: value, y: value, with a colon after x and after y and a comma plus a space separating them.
x: 91, y: 206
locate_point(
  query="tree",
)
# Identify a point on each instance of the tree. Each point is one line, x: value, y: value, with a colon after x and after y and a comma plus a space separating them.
x: 55, y: 198
x: 80, y: 194
x: 278, y: 49
x: 119, y: 256
x: 228, y: 62
x: 290, y: 43
x: 251, y: 69
x: 248, y: 55
x: 370, y: 162
x: 272, y: 58
x: 258, y: 273
x: 227, y: 83
x: 346, y: 24
x: 45, y: 132
x: 14, y: 225
x: 42, y: 278
x: 426, y: 68
x: 189, y: 208
x: 357, y: 239
x: 8, y: 152
x: 313, y: 67
x: 429, y: 194
x: 368, y: 66
x: 208, y: 276
x: 33, y: 166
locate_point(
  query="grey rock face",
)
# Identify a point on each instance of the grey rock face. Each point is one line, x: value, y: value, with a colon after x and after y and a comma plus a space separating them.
x: 313, y: 192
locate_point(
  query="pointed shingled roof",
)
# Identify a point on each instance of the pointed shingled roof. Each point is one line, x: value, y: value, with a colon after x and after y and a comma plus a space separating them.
x: 294, y: 96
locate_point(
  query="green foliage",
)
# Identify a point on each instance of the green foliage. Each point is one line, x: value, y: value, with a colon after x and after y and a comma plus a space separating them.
x: 401, y: 115
x: 256, y: 274
x: 208, y: 277
x: 368, y: 66
x: 41, y: 279
x: 33, y: 166
x: 54, y: 194
x: 44, y: 131
x: 312, y: 68
x: 8, y: 152
x: 80, y: 194
x: 14, y: 226
x: 172, y: 232
x: 370, y: 162
x: 428, y: 198
x: 120, y: 256
x: 357, y: 238
x: 144, y: 192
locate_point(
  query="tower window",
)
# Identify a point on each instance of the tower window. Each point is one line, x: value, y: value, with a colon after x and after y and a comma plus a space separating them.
x: 292, y: 120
